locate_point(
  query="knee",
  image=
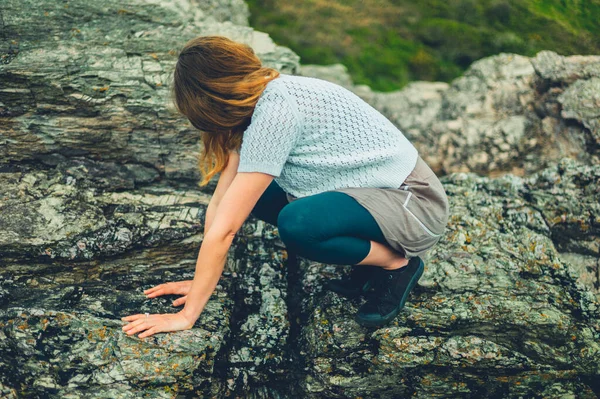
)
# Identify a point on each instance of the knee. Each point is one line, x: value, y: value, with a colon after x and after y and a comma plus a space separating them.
x: 295, y: 225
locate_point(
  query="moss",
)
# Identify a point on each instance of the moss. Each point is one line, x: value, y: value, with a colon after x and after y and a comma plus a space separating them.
x: 387, y: 44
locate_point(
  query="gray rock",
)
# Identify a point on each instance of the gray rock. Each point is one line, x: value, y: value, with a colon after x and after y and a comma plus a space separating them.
x: 567, y: 196
x: 98, y: 198
x: 99, y: 201
x: 73, y: 85
x: 76, y: 231
x: 336, y: 73
x: 556, y: 69
x: 496, y: 313
x: 235, y: 11
x: 581, y: 102
x: 61, y: 332
x: 48, y: 214
x: 586, y: 267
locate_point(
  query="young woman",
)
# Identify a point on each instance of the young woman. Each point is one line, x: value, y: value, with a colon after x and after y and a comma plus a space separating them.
x: 342, y: 183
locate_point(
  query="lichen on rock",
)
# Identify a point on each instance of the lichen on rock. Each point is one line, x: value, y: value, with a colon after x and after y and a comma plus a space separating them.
x: 496, y: 313
x: 99, y: 201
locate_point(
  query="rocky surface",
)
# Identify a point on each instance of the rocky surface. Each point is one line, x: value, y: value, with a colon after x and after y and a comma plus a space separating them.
x: 506, y: 114
x: 497, y: 312
x: 92, y: 79
x: 76, y: 260
x: 99, y: 201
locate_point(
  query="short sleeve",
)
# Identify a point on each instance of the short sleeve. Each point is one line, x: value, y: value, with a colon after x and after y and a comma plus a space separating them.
x: 271, y: 135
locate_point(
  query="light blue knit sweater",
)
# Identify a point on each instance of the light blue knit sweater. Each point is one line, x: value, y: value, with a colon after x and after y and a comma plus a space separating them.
x: 315, y: 136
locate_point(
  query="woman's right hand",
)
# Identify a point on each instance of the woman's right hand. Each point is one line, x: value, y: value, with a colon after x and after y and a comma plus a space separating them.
x: 171, y: 288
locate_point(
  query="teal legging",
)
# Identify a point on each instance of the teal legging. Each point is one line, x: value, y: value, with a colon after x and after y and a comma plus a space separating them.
x: 329, y: 227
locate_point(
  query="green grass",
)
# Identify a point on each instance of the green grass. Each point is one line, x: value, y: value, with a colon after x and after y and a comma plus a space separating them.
x: 388, y: 43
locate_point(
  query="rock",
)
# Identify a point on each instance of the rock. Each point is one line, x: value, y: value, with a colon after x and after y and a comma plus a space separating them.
x: 497, y: 306
x: 567, y: 198
x: 234, y: 11
x: 496, y: 313
x: 51, y: 215
x: 558, y: 70
x: 78, y: 264
x: 72, y: 85
x: 581, y: 102
x: 586, y: 267
x: 99, y: 201
x: 336, y: 73
x: 61, y: 333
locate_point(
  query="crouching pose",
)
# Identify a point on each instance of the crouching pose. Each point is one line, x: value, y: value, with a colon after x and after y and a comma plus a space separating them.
x: 342, y: 184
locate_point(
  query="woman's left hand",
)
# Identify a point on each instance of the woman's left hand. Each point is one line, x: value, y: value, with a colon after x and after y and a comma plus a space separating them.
x: 156, y: 323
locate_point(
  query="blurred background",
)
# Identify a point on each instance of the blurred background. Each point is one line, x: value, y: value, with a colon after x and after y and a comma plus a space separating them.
x: 388, y: 43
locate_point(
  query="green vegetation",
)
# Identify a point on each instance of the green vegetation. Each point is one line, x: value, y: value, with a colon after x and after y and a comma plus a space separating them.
x: 388, y: 43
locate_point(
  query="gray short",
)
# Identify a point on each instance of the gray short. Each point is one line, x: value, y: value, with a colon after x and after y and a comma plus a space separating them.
x: 412, y: 217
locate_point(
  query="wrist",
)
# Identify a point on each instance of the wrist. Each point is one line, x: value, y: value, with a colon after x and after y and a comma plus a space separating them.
x: 190, y: 316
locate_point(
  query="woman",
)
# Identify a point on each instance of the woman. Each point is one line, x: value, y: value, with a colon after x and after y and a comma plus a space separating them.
x: 342, y: 183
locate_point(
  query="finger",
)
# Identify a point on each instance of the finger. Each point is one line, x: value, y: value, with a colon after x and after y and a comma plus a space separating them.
x: 156, y: 293
x: 149, y: 332
x: 155, y: 288
x: 134, y: 324
x: 180, y: 301
x: 140, y: 327
x: 132, y: 317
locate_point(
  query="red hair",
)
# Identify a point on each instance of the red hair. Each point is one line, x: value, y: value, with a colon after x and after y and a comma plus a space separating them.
x: 216, y: 85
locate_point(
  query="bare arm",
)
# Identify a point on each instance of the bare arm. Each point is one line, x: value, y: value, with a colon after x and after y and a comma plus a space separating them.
x: 183, y: 287
x: 227, y: 176
x: 233, y: 209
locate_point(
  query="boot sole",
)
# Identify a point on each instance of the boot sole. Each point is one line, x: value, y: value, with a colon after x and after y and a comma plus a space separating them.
x: 392, y: 315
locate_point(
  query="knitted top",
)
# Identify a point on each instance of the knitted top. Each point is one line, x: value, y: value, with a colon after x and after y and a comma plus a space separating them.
x: 315, y: 136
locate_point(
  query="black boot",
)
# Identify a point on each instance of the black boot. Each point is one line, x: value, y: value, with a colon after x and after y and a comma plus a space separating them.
x: 390, y: 290
x: 354, y: 285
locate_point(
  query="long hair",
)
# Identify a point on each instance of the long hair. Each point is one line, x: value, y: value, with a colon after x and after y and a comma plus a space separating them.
x: 216, y: 85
